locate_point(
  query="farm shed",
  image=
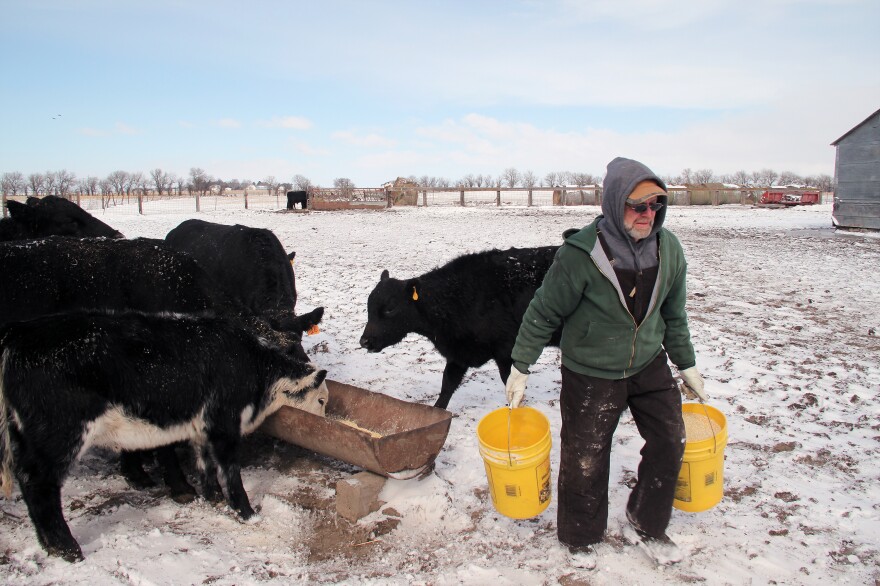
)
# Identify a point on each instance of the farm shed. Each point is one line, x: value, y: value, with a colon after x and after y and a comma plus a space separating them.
x: 857, y: 171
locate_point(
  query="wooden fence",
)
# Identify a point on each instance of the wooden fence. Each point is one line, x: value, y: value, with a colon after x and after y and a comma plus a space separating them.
x: 378, y: 198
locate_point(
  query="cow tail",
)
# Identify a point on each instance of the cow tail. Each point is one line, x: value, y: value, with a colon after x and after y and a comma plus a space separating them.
x: 5, y: 446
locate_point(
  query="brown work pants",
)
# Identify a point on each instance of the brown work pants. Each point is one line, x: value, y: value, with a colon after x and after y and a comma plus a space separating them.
x: 591, y: 408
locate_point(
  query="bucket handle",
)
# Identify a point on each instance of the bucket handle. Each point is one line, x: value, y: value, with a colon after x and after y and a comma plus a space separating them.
x: 509, y: 455
x: 711, y: 428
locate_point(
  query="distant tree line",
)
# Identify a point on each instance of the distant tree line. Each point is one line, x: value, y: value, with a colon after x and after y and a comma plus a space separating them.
x: 122, y: 183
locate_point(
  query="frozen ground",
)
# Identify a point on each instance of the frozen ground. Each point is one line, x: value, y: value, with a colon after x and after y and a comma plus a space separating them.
x: 784, y: 316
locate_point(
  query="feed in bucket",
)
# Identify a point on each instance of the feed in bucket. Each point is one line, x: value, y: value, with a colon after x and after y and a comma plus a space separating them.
x: 515, y: 446
x: 700, y: 484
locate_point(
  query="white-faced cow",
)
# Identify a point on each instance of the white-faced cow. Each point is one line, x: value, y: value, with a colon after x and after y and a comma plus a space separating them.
x: 50, y: 216
x: 60, y: 274
x: 471, y: 309
x: 249, y: 264
x: 134, y: 381
x: 297, y: 197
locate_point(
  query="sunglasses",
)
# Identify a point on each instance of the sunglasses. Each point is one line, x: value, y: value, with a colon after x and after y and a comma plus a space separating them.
x: 641, y: 208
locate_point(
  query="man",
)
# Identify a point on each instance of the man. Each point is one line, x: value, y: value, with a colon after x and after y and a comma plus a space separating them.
x: 618, y: 288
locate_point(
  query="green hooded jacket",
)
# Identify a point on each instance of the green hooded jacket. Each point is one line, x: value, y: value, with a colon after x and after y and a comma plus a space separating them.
x: 600, y: 337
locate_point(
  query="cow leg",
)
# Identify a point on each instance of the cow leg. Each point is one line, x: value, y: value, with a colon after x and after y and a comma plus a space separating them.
x: 132, y: 467
x: 211, y: 490
x: 42, y: 495
x: 225, y: 452
x: 181, y: 491
x: 453, y: 374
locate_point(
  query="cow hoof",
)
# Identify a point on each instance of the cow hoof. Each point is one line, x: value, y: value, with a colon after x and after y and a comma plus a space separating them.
x: 183, y: 498
x: 139, y: 481
x: 70, y: 554
x: 248, y: 514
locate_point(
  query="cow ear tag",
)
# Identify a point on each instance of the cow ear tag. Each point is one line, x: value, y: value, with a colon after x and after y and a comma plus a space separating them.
x: 415, y: 294
x: 313, y: 330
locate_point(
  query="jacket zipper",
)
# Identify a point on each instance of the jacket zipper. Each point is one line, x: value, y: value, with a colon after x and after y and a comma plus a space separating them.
x: 632, y: 353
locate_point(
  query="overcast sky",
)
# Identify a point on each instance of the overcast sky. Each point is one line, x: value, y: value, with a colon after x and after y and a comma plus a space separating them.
x: 371, y: 90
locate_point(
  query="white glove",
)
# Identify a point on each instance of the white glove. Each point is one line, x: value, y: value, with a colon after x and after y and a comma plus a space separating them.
x: 516, y: 387
x: 693, y: 384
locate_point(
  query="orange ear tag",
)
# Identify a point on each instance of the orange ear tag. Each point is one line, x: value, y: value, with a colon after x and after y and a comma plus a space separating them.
x: 415, y: 294
x: 313, y: 330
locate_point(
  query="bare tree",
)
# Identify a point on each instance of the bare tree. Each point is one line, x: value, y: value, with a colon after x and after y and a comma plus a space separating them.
x: 822, y: 182
x: 344, y: 185
x: 12, y: 183
x: 181, y: 185
x: 582, y: 179
x: 132, y: 181
x: 82, y: 186
x: 301, y: 182
x: 199, y: 180
x: 170, y: 180
x: 765, y: 177
x: 443, y: 182
x: 529, y: 180
x: 510, y: 177
x: 160, y: 179
x: 687, y: 176
x: 741, y: 178
x: 117, y: 180
x: 106, y: 186
x: 790, y: 178
x: 270, y: 183
x: 703, y: 176
x: 64, y: 181
x: 50, y: 187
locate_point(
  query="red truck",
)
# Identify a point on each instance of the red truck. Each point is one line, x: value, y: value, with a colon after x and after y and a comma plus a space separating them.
x: 789, y: 198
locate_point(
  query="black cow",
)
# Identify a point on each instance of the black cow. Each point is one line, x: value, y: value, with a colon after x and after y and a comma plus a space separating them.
x: 297, y: 197
x: 470, y: 308
x: 51, y: 216
x: 135, y: 381
x: 61, y: 274
x: 249, y: 264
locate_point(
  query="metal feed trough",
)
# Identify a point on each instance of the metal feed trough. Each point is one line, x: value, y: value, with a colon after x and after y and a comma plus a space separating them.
x: 411, y: 434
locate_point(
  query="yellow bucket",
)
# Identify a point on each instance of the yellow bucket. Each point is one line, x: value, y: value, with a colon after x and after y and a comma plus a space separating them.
x: 515, y: 446
x: 700, y: 483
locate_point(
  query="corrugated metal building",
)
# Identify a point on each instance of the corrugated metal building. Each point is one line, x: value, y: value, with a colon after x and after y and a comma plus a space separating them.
x: 857, y: 171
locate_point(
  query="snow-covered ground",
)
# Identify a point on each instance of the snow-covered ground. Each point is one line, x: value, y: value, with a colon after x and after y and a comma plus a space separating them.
x: 784, y: 316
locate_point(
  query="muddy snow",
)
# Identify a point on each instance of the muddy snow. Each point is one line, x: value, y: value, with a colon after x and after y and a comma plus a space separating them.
x: 784, y: 318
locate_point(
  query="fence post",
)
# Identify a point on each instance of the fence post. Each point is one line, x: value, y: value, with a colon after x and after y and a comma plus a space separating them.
x: 245, y: 200
x: 198, y: 203
x: 461, y: 197
x: 563, y: 200
x: 498, y: 197
x: 141, y: 204
x: 530, y: 198
x: 4, y: 204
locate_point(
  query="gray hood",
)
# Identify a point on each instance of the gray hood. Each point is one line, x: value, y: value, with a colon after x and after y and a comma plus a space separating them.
x: 621, y: 177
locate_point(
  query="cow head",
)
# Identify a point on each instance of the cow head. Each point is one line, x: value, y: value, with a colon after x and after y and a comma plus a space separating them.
x: 304, y: 388
x: 392, y: 313
x: 56, y: 216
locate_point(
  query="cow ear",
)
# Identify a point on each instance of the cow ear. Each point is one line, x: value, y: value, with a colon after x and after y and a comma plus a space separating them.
x: 412, y: 289
x: 309, y: 320
x: 382, y: 277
